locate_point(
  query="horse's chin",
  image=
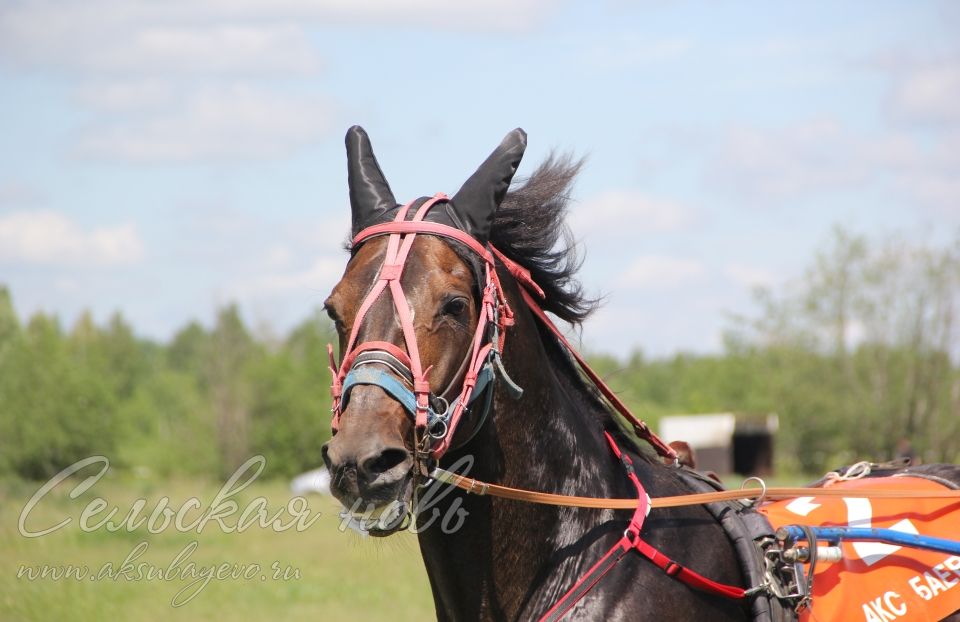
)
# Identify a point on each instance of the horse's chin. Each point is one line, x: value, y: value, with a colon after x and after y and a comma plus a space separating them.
x: 383, y: 533
x: 382, y: 519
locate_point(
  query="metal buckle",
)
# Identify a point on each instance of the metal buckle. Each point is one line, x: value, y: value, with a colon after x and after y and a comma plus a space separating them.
x: 786, y: 581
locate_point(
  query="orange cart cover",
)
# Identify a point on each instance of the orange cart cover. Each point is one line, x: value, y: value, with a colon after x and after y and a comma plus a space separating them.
x: 879, y: 582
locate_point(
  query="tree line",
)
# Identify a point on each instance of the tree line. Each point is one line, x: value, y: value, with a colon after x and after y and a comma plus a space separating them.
x: 859, y: 357
x: 200, y: 404
x: 856, y: 356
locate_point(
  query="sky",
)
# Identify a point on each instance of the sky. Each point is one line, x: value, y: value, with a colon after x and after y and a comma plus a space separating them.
x: 162, y: 159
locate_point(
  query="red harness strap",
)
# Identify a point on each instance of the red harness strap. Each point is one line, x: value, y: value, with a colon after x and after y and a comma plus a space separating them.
x: 631, y: 540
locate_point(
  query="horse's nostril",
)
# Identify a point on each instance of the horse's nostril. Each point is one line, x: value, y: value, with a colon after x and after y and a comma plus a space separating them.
x: 325, y: 454
x: 386, y: 460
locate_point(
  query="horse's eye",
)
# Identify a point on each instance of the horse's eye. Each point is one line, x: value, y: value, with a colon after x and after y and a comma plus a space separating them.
x: 334, y: 317
x: 455, y: 307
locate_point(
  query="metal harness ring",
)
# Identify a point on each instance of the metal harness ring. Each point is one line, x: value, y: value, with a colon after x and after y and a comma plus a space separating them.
x: 442, y: 423
x: 753, y: 503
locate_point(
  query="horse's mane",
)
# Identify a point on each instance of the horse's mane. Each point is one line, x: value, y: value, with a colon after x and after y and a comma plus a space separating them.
x: 529, y: 228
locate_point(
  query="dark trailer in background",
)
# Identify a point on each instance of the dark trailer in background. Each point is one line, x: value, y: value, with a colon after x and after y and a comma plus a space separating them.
x: 726, y: 442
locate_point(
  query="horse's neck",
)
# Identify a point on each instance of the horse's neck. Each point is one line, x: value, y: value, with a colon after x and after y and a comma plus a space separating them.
x: 547, y: 441
x: 513, y: 560
x: 551, y: 439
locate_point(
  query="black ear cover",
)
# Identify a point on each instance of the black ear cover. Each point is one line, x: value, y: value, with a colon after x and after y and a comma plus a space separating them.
x: 471, y: 209
x: 478, y: 199
x: 370, y: 197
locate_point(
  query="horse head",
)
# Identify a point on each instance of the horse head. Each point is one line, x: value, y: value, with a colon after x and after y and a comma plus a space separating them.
x: 416, y: 312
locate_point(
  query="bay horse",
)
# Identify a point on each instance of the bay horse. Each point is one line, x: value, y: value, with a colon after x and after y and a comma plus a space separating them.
x: 441, y: 360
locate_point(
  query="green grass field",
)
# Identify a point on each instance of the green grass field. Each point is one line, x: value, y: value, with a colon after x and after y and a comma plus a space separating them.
x: 342, y: 575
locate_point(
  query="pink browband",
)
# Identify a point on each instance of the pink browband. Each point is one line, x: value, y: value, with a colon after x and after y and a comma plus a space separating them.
x: 494, y: 310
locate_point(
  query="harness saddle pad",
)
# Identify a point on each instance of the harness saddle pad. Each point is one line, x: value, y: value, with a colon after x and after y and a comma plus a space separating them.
x: 879, y: 582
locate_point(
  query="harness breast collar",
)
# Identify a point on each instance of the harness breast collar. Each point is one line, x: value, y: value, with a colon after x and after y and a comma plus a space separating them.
x: 400, y: 374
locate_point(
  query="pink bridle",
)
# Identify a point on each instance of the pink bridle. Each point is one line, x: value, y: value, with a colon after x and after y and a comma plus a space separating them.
x: 488, y: 338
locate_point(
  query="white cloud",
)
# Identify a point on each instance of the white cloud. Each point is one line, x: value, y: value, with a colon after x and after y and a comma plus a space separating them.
x: 924, y: 171
x: 748, y: 275
x: 288, y: 260
x: 48, y: 237
x: 113, y: 97
x: 134, y: 37
x: 278, y: 256
x: 18, y: 194
x: 224, y: 122
x: 612, y: 212
x: 626, y: 51
x: 233, y: 36
x: 321, y: 275
x: 796, y: 160
x: 210, y: 79
x: 928, y: 94
x: 221, y: 49
x: 660, y: 271
x: 768, y: 167
x: 942, y: 191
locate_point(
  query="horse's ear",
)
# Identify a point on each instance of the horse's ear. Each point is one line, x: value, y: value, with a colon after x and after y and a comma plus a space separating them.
x: 370, y: 195
x: 477, y: 201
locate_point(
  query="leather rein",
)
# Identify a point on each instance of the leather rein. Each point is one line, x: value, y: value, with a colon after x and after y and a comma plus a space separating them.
x: 478, y: 487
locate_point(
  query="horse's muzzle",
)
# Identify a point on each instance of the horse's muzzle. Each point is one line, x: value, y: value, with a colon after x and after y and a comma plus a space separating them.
x: 367, y: 473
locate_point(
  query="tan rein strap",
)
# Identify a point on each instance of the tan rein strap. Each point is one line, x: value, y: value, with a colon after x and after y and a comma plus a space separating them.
x: 478, y: 487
